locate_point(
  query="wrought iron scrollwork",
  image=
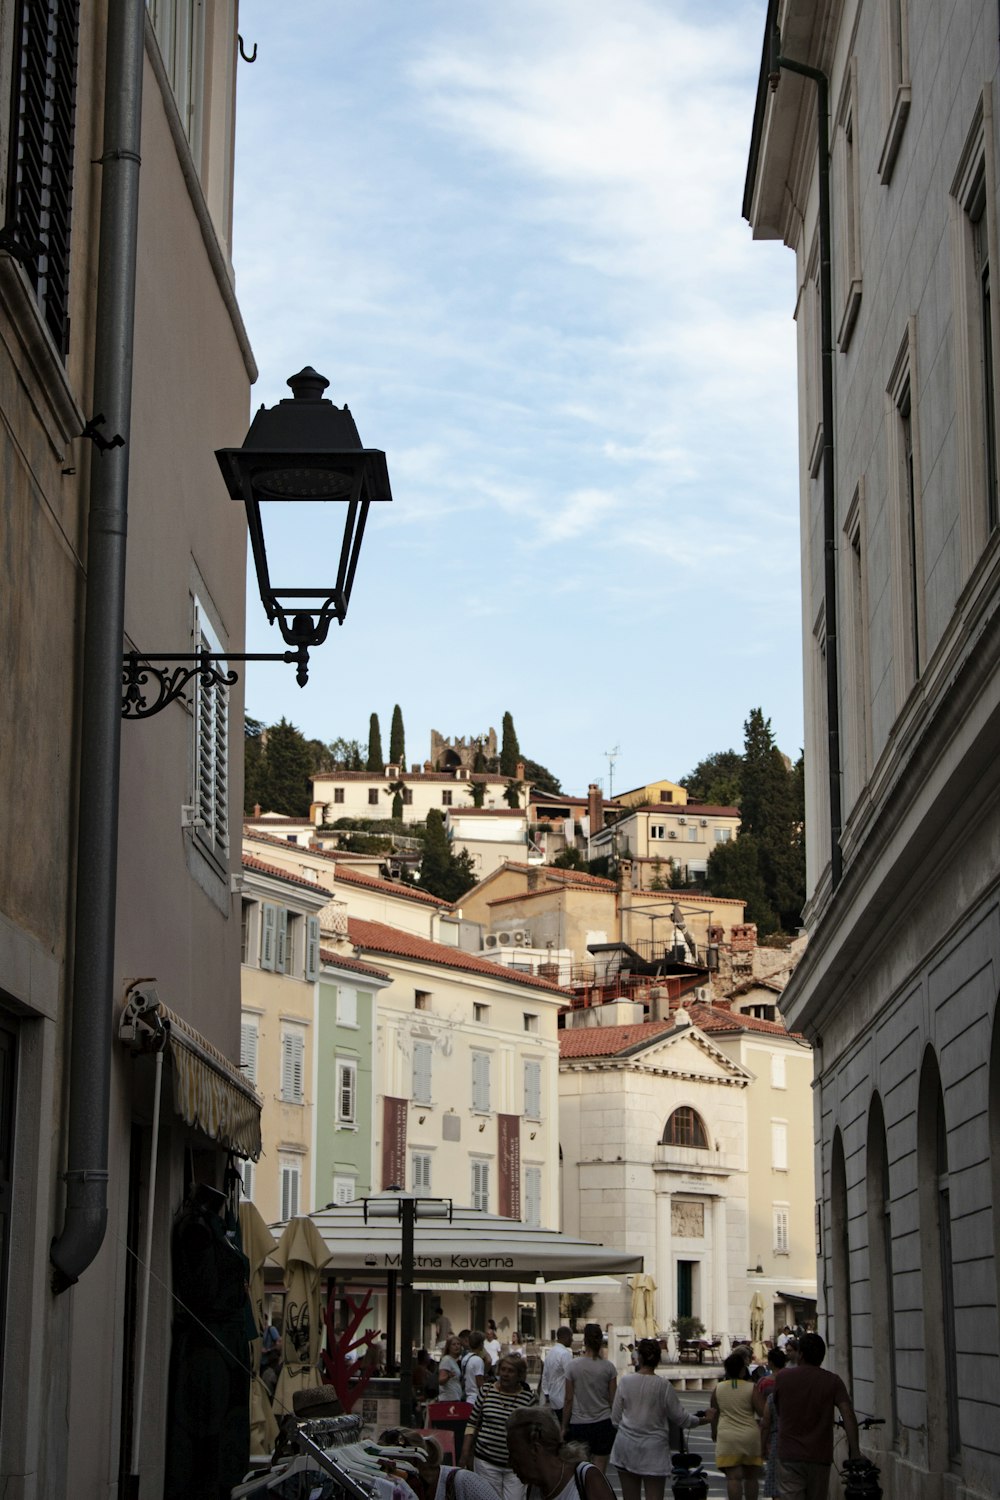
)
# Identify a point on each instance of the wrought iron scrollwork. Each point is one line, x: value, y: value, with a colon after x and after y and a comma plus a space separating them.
x: 168, y: 683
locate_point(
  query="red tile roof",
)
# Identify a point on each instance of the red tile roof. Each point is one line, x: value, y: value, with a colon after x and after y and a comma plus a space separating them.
x: 682, y: 810
x: 389, y: 887
x: 489, y: 777
x: 612, y: 1041
x: 251, y: 862
x: 345, y: 961
x: 376, y: 937
x: 557, y: 875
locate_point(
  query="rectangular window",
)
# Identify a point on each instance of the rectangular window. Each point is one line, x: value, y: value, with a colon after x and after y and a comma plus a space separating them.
x: 778, y: 1070
x: 338, y: 794
x: 246, y: 926
x: 210, y: 797
x: 246, y: 1178
x: 481, y: 1185
x: 980, y: 240
x: 848, y: 267
x: 37, y: 134
x: 290, y: 943
x: 657, y: 830
x: 407, y: 796
x: 420, y: 1172
x: 533, y: 1197
x: 532, y: 1089
x: 896, y: 82
x: 907, y: 533
x: 666, y: 796
x: 292, y: 1067
x: 480, y: 1013
x: 179, y: 28
x: 446, y: 799
x: 423, y: 1053
x: 344, y: 1189
x: 312, y: 947
x: 530, y: 1021
x: 722, y: 835
x: 347, y: 1005
x: 347, y: 1091
x: 248, y: 1048
x: 692, y: 834
x: 373, y: 796
x: 779, y: 1145
x: 780, y: 1211
x: 291, y: 1178
x: 421, y: 999
x: 481, y: 1083
x: 858, y: 681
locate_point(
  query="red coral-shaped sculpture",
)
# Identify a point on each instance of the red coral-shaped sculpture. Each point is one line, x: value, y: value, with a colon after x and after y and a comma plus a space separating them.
x: 349, y: 1377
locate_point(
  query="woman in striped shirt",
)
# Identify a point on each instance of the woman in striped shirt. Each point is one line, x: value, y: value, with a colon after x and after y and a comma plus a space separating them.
x: 485, y: 1446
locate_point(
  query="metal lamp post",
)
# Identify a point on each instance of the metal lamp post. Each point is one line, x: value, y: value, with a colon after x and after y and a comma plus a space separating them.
x: 303, y: 449
x: 407, y: 1209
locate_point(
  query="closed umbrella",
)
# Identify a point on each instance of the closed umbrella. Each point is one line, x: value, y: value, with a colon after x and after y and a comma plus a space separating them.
x: 757, y: 1326
x: 643, y: 1315
x: 258, y: 1243
x: 302, y: 1253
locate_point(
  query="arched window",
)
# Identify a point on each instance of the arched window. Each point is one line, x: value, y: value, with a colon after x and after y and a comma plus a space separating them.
x: 839, y: 1334
x: 880, y: 1265
x: 944, y: 1443
x: 685, y: 1128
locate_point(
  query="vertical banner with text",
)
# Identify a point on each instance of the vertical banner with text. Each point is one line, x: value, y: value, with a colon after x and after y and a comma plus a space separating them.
x: 393, y: 1143
x: 509, y: 1165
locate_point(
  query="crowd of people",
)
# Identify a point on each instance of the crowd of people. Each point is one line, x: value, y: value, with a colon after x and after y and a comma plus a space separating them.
x: 772, y: 1420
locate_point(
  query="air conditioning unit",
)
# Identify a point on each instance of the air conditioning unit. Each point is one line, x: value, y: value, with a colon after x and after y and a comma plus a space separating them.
x: 522, y: 937
x: 672, y: 833
x: 504, y: 938
x: 703, y: 822
x: 682, y: 821
x: 490, y: 940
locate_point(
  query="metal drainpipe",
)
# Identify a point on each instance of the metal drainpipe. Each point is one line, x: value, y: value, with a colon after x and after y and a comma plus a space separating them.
x: 100, y: 730
x: 829, y: 496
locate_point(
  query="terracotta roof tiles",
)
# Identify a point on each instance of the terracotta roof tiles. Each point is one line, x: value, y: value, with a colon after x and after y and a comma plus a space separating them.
x: 346, y: 961
x: 613, y: 1041
x: 377, y: 937
x: 251, y: 862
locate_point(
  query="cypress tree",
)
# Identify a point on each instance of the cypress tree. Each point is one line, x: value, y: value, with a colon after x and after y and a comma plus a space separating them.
x: 374, y: 761
x: 442, y: 872
x: 397, y: 741
x: 510, y: 750
x: 287, y: 769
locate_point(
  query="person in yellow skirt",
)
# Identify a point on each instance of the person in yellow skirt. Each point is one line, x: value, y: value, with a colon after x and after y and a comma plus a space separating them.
x: 735, y: 1409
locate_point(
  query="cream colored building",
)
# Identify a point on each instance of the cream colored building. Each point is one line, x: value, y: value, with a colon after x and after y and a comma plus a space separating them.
x: 490, y: 836
x: 900, y: 548
x: 280, y: 961
x: 370, y: 794
x: 70, y: 1356
x: 688, y: 1140
x: 654, y: 837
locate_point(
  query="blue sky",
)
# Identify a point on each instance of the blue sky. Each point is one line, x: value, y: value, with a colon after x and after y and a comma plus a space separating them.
x: 510, y: 236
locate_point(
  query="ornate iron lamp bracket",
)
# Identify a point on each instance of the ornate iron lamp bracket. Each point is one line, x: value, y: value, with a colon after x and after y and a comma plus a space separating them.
x: 148, y: 687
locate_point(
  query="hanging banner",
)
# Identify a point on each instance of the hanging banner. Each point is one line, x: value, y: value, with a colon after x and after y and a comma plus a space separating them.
x: 509, y: 1165
x: 393, y: 1142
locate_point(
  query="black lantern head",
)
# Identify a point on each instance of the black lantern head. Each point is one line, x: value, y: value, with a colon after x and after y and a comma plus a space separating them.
x: 305, y: 449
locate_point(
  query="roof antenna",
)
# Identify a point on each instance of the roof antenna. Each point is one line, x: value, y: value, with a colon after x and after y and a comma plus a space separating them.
x: 611, y: 756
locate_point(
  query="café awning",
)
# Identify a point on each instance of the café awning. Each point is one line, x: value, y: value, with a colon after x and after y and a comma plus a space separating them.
x: 209, y: 1092
x: 475, y: 1246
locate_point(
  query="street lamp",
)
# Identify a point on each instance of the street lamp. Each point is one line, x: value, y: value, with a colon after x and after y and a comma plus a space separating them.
x: 406, y: 1208
x: 302, y: 450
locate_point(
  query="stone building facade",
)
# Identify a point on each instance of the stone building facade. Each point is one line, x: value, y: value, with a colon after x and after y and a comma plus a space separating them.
x: 897, y: 989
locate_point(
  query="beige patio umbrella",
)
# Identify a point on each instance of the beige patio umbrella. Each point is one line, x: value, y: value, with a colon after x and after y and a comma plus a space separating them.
x: 757, y: 1327
x: 258, y: 1243
x: 643, y: 1304
x: 302, y: 1253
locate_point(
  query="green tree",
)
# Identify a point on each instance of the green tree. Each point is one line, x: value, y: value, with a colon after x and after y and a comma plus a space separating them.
x: 570, y: 859
x: 443, y: 872
x: 510, y: 750
x: 769, y: 812
x: 717, y: 779
x: 287, y: 769
x: 477, y: 791
x: 395, y: 790
x: 347, y: 755
x: 375, y: 761
x: 542, y: 779
x: 397, y: 740
x: 253, y: 764
x: 734, y: 869
x: 512, y: 794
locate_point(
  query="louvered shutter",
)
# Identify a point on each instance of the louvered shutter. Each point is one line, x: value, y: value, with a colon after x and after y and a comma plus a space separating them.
x: 269, y: 922
x: 248, y: 1050
x: 420, y: 1171
x: 779, y: 1145
x: 481, y: 1185
x: 211, y: 718
x: 289, y: 1191
x: 781, y: 1230
x: 312, y: 947
x: 39, y: 187
x: 292, y: 1053
x: 346, y: 1093
x: 481, y: 1082
x: 423, y: 1053
x: 533, y: 1090
x: 281, y: 946
x: 533, y: 1197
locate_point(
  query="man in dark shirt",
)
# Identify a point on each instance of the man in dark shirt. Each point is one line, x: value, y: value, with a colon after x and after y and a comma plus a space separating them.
x: 805, y: 1398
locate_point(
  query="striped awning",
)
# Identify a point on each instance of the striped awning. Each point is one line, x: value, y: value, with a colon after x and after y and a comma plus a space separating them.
x: 210, y: 1093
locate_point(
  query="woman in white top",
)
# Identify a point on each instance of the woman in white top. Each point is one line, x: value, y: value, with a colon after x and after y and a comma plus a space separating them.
x: 450, y: 1371
x: 644, y: 1409
x: 492, y: 1345
x: 443, y: 1481
x: 591, y: 1382
x: 550, y: 1468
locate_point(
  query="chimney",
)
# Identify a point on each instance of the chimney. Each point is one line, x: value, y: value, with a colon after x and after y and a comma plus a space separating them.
x: 595, y: 808
x: 519, y: 771
x: 256, y: 809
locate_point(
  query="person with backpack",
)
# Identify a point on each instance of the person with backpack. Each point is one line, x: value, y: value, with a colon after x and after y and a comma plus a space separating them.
x: 550, y: 1468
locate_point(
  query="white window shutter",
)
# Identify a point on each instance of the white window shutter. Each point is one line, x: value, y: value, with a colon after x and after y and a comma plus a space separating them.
x: 779, y: 1146
x: 346, y: 1093
x: 422, y: 1056
x: 269, y: 922
x: 420, y: 1171
x: 533, y: 1197
x: 248, y: 1050
x: 481, y: 1082
x: 292, y: 1071
x: 533, y: 1090
x: 211, y: 727
x: 281, y: 949
x: 312, y: 947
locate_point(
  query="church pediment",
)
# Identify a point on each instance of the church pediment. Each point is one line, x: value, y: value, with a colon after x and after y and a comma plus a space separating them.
x: 687, y: 1054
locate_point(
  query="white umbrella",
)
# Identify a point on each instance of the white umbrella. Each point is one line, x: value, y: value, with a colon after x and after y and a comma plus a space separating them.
x: 302, y: 1253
